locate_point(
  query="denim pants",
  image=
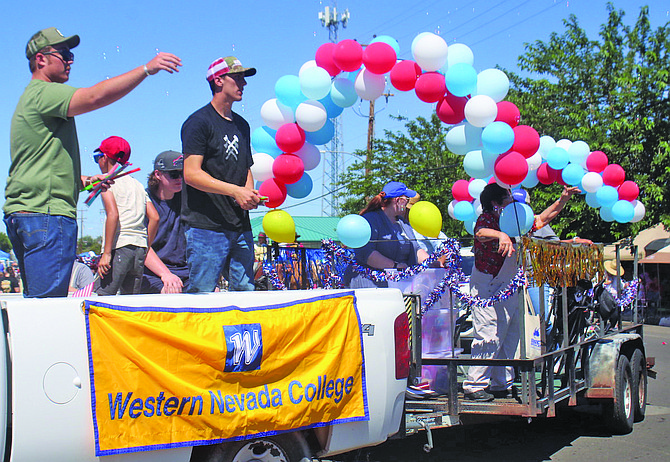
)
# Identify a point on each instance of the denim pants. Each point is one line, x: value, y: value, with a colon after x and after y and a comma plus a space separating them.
x: 45, y: 246
x: 210, y: 253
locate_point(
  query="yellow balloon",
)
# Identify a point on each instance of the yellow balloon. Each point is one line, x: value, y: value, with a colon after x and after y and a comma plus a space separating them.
x: 279, y: 226
x: 426, y: 218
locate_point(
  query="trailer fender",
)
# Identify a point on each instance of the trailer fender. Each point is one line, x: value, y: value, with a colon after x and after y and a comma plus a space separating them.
x: 603, y: 363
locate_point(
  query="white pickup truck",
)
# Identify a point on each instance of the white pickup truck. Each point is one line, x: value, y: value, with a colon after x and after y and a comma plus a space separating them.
x: 46, y: 389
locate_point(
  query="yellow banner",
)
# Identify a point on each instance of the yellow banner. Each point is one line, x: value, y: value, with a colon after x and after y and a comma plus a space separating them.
x: 171, y: 377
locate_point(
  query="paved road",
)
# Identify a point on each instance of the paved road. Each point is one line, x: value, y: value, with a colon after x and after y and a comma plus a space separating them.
x: 572, y: 436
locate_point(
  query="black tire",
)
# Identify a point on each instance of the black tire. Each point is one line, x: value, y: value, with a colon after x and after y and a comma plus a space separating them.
x: 638, y: 364
x: 290, y: 447
x: 619, y: 412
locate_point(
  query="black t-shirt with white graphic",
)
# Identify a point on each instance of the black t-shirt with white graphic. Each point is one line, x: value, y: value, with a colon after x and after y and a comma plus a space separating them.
x: 226, y: 150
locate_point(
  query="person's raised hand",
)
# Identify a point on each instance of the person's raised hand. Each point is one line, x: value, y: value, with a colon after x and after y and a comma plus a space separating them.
x: 163, y: 62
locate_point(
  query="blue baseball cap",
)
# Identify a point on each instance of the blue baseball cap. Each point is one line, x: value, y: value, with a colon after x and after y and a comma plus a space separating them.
x: 397, y: 189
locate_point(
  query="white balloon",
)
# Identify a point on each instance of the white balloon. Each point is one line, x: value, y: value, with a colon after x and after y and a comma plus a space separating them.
x: 262, y: 168
x: 430, y: 52
x: 307, y: 65
x: 475, y: 187
x: 640, y: 210
x: 534, y: 161
x: 460, y: 53
x: 591, y: 182
x: 311, y: 115
x: 477, y: 205
x: 450, y: 209
x: 275, y: 114
x: 369, y: 86
x: 310, y: 155
x: 481, y: 110
x: 547, y: 143
x: 564, y: 143
x: 494, y: 83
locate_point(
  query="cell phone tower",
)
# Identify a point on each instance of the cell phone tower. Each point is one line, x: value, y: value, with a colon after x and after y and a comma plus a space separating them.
x: 333, y: 155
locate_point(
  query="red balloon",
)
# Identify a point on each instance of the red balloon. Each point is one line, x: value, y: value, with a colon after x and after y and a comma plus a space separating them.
x: 348, y: 55
x: 290, y: 138
x: 324, y: 59
x: 274, y: 190
x: 451, y: 109
x: 546, y: 174
x: 404, y: 75
x: 614, y: 175
x: 460, y: 191
x: 628, y: 191
x: 596, y: 161
x: 379, y: 57
x: 508, y: 113
x: 430, y: 87
x: 288, y: 168
x: 511, y: 168
x: 526, y: 140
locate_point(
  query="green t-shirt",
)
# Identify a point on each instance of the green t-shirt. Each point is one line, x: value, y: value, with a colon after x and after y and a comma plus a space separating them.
x: 45, y: 173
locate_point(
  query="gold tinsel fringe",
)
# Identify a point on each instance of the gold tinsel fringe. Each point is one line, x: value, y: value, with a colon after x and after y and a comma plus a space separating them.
x: 562, y: 264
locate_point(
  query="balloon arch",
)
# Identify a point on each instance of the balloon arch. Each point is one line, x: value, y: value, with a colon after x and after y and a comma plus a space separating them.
x: 484, y: 130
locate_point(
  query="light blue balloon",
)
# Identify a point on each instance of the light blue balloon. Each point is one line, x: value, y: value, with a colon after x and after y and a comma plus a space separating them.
x: 301, y: 188
x: 623, y: 211
x: 573, y: 174
x: 322, y: 136
x: 392, y: 42
x: 476, y: 166
x: 463, y: 210
x: 314, y: 82
x: 343, y: 92
x: 557, y: 158
x: 461, y: 79
x: 287, y: 90
x: 463, y: 138
x: 578, y: 152
x: 607, y: 196
x: 516, y: 219
x: 547, y: 143
x: 493, y: 83
x: 531, y: 179
x: 497, y: 137
x: 332, y: 109
x: 470, y: 226
x: 459, y: 53
x: 606, y: 214
x: 592, y: 200
x: 263, y: 140
x: 353, y: 231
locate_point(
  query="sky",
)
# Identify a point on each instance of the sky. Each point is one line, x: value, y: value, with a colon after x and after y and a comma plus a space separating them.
x: 276, y: 38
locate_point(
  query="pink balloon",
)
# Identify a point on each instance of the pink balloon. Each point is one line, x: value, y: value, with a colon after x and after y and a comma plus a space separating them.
x: 430, y: 87
x: 596, y: 161
x: 348, y: 55
x: 290, y: 137
x: 546, y: 174
x: 526, y: 140
x: 404, y: 75
x: 379, y: 57
x: 511, y: 168
x: 629, y: 190
x: 460, y: 191
x: 324, y: 59
x: 451, y: 109
x: 614, y: 175
x: 508, y: 113
x: 288, y: 168
x: 274, y: 190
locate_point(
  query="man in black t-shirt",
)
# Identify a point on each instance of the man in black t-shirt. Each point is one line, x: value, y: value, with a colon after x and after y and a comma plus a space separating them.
x: 218, y: 191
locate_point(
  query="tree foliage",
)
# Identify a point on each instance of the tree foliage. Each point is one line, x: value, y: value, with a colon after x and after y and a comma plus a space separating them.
x: 611, y: 93
x: 88, y: 243
x: 5, y: 243
x: 417, y: 156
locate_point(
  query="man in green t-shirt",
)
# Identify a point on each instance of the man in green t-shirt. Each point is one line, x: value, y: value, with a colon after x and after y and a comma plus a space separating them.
x: 44, y: 176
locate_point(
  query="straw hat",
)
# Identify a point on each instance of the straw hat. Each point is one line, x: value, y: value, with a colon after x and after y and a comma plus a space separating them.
x: 610, y: 267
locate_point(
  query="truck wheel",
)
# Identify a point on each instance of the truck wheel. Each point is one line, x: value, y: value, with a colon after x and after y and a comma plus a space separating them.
x: 638, y: 365
x: 619, y: 412
x: 279, y: 448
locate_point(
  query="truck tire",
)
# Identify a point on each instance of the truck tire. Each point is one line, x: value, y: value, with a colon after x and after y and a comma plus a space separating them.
x: 279, y: 448
x: 619, y: 412
x: 638, y: 365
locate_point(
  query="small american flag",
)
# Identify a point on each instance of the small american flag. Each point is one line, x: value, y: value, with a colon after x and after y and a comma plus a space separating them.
x: 85, y: 291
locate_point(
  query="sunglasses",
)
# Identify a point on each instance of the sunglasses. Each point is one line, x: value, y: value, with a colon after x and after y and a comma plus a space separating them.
x: 64, y: 54
x: 96, y: 157
x: 174, y: 174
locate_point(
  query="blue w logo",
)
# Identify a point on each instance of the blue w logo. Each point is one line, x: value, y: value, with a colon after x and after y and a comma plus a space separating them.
x: 244, y: 344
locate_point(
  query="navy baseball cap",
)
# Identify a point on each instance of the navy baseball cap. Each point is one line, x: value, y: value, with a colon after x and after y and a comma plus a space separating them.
x: 397, y: 189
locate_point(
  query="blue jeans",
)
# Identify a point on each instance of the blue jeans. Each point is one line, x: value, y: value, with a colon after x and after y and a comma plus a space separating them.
x: 45, y: 246
x: 209, y: 253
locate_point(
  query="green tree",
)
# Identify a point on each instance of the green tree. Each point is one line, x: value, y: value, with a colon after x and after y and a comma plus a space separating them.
x: 417, y: 156
x: 5, y: 243
x: 88, y: 243
x: 612, y: 93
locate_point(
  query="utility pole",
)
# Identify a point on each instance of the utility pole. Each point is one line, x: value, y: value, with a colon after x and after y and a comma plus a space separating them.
x: 333, y: 158
x: 371, y: 133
